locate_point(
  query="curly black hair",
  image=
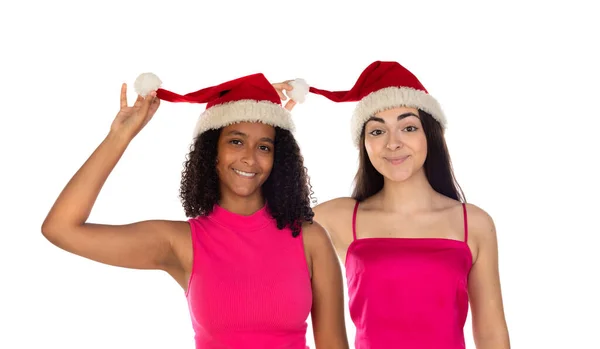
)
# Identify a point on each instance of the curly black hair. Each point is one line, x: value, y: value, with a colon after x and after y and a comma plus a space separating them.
x: 287, y: 191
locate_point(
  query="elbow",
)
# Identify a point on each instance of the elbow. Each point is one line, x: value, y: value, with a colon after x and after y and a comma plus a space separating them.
x: 49, y: 230
x: 52, y: 231
x: 46, y: 227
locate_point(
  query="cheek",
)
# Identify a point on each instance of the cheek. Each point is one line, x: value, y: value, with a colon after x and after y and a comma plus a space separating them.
x: 421, y: 144
x: 372, y: 146
x: 417, y: 144
x: 223, y: 160
x: 266, y: 163
x: 221, y: 168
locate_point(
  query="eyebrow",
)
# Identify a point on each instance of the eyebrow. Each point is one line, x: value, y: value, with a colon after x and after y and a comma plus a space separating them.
x: 242, y: 134
x: 400, y: 117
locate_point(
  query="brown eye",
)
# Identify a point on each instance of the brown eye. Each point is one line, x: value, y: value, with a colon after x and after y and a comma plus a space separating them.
x: 410, y: 129
x: 376, y: 132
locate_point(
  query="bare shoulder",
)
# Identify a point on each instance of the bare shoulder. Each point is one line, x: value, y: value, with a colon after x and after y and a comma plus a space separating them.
x: 318, y: 244
x: 329, y: 212
x: 318, y: 247
x: 169, y: 229
x: 171, y: 226
x: 315, y: 236
x: 481, y: 224
x: 180, y: 233
x: 334, y: 205
x: 336, y: 217
x: 179, y: 236
x: 178, y: 229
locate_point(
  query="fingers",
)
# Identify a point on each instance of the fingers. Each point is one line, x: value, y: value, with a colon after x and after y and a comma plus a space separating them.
x: 283, y: 86
x: 123, y: 95
x: 146, y: 102
x: 280, y: 87
x: 138, y: 101
x: 281, y: 95
x: 290, y: 105
x: 154, y: 105
x: 151, y: 110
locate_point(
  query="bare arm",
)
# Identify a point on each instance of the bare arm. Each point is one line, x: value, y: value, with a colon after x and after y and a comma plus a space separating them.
x: 142, y: 245
x: 489, y: 325
x: 327, y: 313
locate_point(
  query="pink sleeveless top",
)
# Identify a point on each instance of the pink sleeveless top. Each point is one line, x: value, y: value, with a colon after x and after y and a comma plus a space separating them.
x: 408, y: 293
x: 250, y: 286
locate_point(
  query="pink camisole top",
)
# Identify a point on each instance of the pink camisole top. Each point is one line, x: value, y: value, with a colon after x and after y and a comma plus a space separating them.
x: 408, y: 293
x: 250, y: 286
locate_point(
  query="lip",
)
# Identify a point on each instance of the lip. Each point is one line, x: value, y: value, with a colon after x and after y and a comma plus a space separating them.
x: 235, y: 170
x: 396, y: 160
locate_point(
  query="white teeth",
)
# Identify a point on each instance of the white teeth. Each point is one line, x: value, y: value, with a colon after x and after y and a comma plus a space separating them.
x: 245, y: 174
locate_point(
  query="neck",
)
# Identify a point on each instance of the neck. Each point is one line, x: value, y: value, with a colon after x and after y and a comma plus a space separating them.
x: 242, y: 205
x: 409, y: 196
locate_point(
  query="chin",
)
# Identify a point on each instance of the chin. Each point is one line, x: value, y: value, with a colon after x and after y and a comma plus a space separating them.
x: 398, y: 176
x: 395, y: 174
x: 245, y: 191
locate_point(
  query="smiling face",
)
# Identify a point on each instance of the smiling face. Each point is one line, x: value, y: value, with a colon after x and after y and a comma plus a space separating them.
x: 395, y: 143
x: 245, y: 158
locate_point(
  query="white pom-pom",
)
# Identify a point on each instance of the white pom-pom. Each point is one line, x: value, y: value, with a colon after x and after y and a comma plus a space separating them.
x: 146, y: 83
x: 300, y: 90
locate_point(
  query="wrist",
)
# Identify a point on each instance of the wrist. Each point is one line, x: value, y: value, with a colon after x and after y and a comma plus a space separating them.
x: 119, y: 139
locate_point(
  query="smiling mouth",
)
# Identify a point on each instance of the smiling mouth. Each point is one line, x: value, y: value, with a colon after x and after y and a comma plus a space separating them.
x: 397, y: 160
x: 244, y: 174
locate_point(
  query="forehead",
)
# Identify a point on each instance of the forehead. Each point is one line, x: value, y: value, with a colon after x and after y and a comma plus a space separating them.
x: 250, y: 129
x: 394, y: 112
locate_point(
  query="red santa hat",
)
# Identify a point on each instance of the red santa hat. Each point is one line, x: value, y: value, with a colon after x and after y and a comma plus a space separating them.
x: 250, y: 98
x: 381, y: 86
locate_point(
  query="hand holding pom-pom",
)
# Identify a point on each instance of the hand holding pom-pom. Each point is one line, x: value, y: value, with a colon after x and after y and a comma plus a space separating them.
x: 296, y: 90
x: 146, y: 83
x: 131, y: 119
x: 299, y: 90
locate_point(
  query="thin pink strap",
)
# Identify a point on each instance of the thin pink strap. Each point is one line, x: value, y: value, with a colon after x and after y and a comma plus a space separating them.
x: 466, y: 222
x: 354, y: 221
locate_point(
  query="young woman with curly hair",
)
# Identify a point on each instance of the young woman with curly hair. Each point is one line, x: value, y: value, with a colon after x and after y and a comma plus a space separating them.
x: 252, y: 263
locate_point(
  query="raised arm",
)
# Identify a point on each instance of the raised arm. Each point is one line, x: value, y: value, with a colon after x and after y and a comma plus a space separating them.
x: 142, y: 245
x: 327, y: 313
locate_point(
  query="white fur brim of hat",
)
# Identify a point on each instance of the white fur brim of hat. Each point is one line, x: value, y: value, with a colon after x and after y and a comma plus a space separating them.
x: 393, y: 97
x: 247, y: 110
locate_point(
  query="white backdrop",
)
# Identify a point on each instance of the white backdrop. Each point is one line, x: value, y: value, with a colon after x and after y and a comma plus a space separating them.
x: 519, y: 84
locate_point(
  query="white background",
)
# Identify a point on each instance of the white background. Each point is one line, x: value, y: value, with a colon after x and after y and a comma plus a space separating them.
x: 519, y: 83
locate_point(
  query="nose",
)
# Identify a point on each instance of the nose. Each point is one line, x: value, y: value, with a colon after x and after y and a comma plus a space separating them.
x: 248, y: 156
x: 394, y: 142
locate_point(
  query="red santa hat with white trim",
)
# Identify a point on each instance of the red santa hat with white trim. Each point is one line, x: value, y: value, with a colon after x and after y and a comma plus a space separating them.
x: 250, y: 98
x: 382, y: 86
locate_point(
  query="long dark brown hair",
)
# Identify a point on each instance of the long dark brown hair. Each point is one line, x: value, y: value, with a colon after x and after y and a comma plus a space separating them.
x: 438, y: 166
